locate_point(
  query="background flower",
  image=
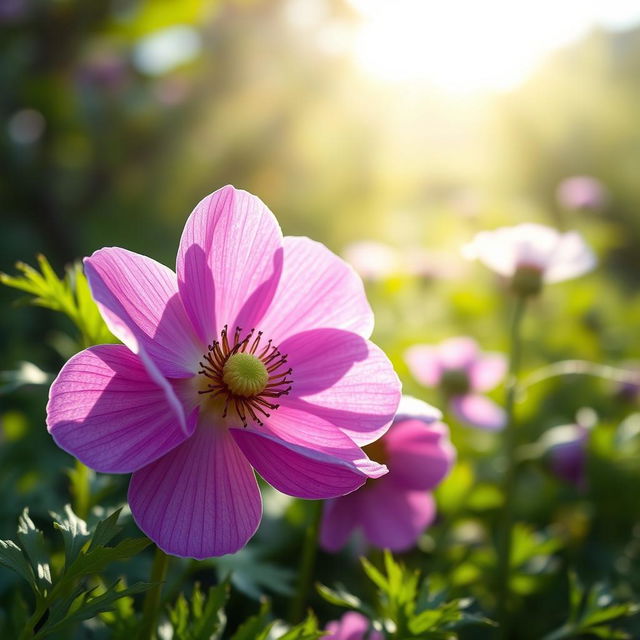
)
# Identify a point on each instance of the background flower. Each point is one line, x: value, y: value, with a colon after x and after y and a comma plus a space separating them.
x: 531, y: 254
x: 581, y: 192
x: 463, y: 373
x: 352, y: 626
x: 393, y: 511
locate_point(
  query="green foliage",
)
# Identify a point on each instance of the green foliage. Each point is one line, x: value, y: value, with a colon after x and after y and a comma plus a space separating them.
x: 593, y: 613
x: 202, y: 617
x: 69, y: 295
x: 64, y: 598
x: 408, y: 610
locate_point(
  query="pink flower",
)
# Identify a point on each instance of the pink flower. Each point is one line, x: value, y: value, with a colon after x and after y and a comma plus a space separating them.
x: 530, y: 254
x: 201, y: 392
x: 462, y: 372
x: 352, y: 626
x: 581, y: 192
x: 393, y: 511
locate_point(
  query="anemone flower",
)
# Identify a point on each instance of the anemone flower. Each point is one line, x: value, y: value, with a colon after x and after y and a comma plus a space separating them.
x: 352, y: 626
x: 463, y: 373
x: 254, y: 355
x: 531, y: 254
x: 581, y: 192
x: 394, y: 510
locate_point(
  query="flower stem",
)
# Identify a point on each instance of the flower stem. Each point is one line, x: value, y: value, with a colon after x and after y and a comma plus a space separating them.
x: 505, y: 523
x: 151, y: 604
x: 307, y: 562
x: 81, y: 490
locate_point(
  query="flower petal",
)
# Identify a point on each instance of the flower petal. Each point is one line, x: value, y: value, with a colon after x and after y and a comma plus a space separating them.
x: 305, y: 472
x: 106, y: 410
x: 394, y: 519
x: 317, y: 290
x: 420, y: 455
x: 571, y: 258
x: 200, y: 500
x: 478, y: 411
x: 339, y: 519
x: 458, y: 353
x: 138, y: 299
x: 424, y: 363
x: 487, y: 371
x: 229, y: 262
x: 344, y: 379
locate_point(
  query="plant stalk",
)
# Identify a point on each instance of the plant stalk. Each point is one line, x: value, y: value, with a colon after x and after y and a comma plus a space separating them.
x: 307, y: 563
x: 151, y: 604
x: 505, y: 524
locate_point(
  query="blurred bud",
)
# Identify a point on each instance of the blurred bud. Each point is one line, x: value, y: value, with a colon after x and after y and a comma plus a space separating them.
x: 527, y: 281
x: 581, y: 192
x: 565, y: 448
x: 26, y: 126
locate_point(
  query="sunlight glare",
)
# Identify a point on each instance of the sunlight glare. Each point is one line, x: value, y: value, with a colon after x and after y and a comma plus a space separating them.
x: 464, y: 46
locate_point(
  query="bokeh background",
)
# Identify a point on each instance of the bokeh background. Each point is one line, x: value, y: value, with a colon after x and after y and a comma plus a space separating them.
x: 408, y: 123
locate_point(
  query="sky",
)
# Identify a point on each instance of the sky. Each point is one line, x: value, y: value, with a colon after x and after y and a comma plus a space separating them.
x: 473, y: 45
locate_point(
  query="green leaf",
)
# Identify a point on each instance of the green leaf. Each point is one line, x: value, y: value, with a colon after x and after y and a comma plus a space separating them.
x: 200, y: 618
x: 74, y: 532
x: 307, y: 630
x: 106, y: 530
x: 339, y: 596
x: 253, y: 626
x: 374, y: 575
x: 96, y: 560
x: 83, y: 605
x: 32, y: 542
x: 608, y: 614
x: 70, y: 295
x: 11, y: 557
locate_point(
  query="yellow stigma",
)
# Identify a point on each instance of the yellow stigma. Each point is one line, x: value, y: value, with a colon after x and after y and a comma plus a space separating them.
x: 245, y: 375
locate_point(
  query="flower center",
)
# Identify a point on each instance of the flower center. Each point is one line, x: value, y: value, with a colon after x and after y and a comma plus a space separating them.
x: 455, y: 382
x: 246, y: 374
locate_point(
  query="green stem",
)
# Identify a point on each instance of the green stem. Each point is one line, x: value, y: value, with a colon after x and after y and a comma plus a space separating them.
x: 80, y: 487
x: 151, y: 604
x: 505, y: 524
x: 307, y: 562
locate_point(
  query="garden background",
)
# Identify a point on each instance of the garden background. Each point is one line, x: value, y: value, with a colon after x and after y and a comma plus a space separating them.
x: 118, y: 117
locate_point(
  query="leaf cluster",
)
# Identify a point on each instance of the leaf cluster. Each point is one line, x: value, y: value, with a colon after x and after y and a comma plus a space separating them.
x: 593, y: 613
x: 202, y: 617
x: 406, y: 607
x: 64, y: 598
x: 69, y: 295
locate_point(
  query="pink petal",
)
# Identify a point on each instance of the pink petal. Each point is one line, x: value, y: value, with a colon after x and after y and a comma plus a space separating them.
x: 458, y: 353
x: 138, y: 298
x: 478, y: 411
x: 424, y: 363
x: 413, y: 408
x: 487, y: 371
x: 229, y: 262
x: 339, y: 519
x: 201, y: 499
x: 105, y: 410
x: 392, y: 518
x: 352, y: 626
x: 571, y: 258
x: 420, y: 455
x: 305, y: 472
x: 344, y: 379
x: 317, y: 290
